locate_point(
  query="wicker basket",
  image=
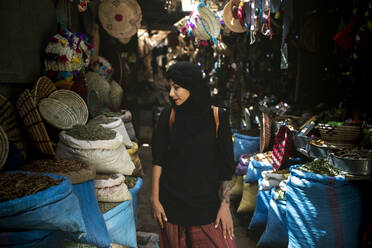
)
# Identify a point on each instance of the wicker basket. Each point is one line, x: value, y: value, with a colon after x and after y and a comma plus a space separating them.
x: 340, y: 134
x: 35, y: 126
x: 57, y: 114
x: 11, y: 124
x: 43, y: 87
x: 265, y: 132
x: 4, y: 147
x: 74, y: 101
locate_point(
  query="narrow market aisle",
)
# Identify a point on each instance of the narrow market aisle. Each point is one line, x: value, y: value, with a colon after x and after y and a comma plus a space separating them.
x: 147, y: 224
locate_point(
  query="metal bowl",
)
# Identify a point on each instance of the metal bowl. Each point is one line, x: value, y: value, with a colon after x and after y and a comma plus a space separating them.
x: 352, y: 166
x: 301, y: 141
x: 316, y: 151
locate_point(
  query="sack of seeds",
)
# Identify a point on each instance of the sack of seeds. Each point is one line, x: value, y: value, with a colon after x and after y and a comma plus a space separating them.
x: 114, y: 123
x: 97, y: 146
x: 111, y: 188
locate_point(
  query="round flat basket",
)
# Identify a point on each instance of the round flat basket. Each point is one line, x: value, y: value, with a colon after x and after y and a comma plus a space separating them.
x: 35, y: 127
x: 74, y: 101
x: 4, y: 147
x: 57, y: 114
x: 11, y: 124
x: 43, y: 87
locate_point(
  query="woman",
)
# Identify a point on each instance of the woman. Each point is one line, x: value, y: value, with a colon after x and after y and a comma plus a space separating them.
x: 192, y: 166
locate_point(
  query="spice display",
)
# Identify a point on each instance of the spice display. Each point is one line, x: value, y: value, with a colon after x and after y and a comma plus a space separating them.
x: 266, y: 157
x: 106, y: 176
x: 109, y: 113
x: 318, y: 142
x: 101, y: 119
x: 18, y: 185
x: 321, y: 166
x: 50, y: 165
x: 130, y: 181
x: 91, y: 132
x: 362, y: 154
x: 106, y: 206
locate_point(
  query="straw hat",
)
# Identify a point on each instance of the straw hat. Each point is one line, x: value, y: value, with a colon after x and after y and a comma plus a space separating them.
x: 74, y: 101
x: 67, y: 52
x: 103, y: 67
x: 31, y: 118
x: 57, y: 114
x: 120, y: 18
x: 43, y: 87
x: 232, y: 23
x: 207, y: 26
x: 4, y: 147
x: 11, y: 124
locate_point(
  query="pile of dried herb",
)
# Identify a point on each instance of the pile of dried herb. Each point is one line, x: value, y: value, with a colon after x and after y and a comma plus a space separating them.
x: 106, y: 206
x: 266, y: 157
x: 321, y: 166
x: 18, y: 185
x: 130, y: 181
x: 109, y: 113
x: 55, y: 166
x: 91, y: 132
x: 101, y: 119
x: 106, y: 176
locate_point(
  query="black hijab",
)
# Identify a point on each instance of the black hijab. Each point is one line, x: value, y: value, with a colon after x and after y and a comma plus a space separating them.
x: 195, y: 113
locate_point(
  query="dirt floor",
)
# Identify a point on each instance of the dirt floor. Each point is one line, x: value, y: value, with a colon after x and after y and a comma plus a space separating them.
x: 244, y: 238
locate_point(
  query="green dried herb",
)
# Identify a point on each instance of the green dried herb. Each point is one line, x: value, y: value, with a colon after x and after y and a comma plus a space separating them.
x: 101, y: 119
x: 109, y: 113
x: 91, y: 132
x: 130, y: 181
x: 321, y: 166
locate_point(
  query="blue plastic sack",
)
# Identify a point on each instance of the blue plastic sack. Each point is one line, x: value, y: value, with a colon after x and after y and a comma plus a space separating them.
x: 322, y: 211
x: 255, y: 168
x: 34, y: 238
x: 134, y: 193
x: 96, y: 231
x: 276, y: 231
x: 244, y: 144
x: 121, y: 225
x: 56, y: 208
x: 259, y: 218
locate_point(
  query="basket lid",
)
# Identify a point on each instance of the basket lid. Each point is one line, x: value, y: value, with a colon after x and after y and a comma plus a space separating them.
x: 4, y: 147
x: 74, y: 101
x: 57, y: 114
x: 11, y: 124
x: 43, y: 87
x: 31, y: 118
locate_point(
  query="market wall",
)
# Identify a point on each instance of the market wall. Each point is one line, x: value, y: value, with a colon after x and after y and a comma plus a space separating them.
x: 25, y: 26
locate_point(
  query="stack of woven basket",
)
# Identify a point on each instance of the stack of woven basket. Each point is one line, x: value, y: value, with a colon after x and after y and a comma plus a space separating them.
x: 340, y: 136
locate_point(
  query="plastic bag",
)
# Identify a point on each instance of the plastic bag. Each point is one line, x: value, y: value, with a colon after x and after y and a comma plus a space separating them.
x: 134, y: 193
x: 244, y: 144
x: 255, y: 169
x: 259, y: 218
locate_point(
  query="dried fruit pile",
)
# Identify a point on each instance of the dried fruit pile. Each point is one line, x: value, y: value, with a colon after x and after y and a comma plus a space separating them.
x: 18, y: 185
x: 50, y: 165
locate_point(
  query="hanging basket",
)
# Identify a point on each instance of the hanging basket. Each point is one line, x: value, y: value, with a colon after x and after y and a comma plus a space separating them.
x: 4, y: 147
x: 75, y: 102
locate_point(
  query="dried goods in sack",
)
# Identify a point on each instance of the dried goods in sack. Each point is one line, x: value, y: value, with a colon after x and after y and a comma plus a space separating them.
x: 55, y: 207
x: 111, y: 188
x: 97, y: 146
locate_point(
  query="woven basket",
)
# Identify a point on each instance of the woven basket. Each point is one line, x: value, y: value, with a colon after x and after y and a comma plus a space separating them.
x: 100, y: 85
x: 43, y: 87
x: 75, y: 102
x: 207, y: 22
x: 4, y: 147
x: 31, y: 118
x: 265, y: 132
x: 11, y: 124
x: 57, y: 114
x: 340, y: 134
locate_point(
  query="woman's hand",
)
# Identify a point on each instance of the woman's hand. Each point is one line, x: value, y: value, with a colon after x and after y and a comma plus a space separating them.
x: 224, y: 216
x: 158, y: 212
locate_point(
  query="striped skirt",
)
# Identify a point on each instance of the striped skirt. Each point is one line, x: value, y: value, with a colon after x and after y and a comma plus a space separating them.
x: 206, y: 236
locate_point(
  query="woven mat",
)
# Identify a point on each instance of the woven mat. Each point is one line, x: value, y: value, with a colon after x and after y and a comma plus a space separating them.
x: 35, y: 127
x: 12, y: 125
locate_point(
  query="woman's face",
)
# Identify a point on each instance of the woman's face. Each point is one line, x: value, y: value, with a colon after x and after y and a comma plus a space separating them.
x: 178, y: 94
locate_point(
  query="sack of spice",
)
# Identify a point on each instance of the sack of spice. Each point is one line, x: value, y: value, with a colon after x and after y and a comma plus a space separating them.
x: 36, y: 201
x: 111, y: 188
x: 133, y: 153
x: 76, y: 171
x: 97, y: 146
x: 114, y: 123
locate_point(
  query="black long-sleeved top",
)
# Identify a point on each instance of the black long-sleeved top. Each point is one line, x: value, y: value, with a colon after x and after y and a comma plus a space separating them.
x: 191, y: 176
